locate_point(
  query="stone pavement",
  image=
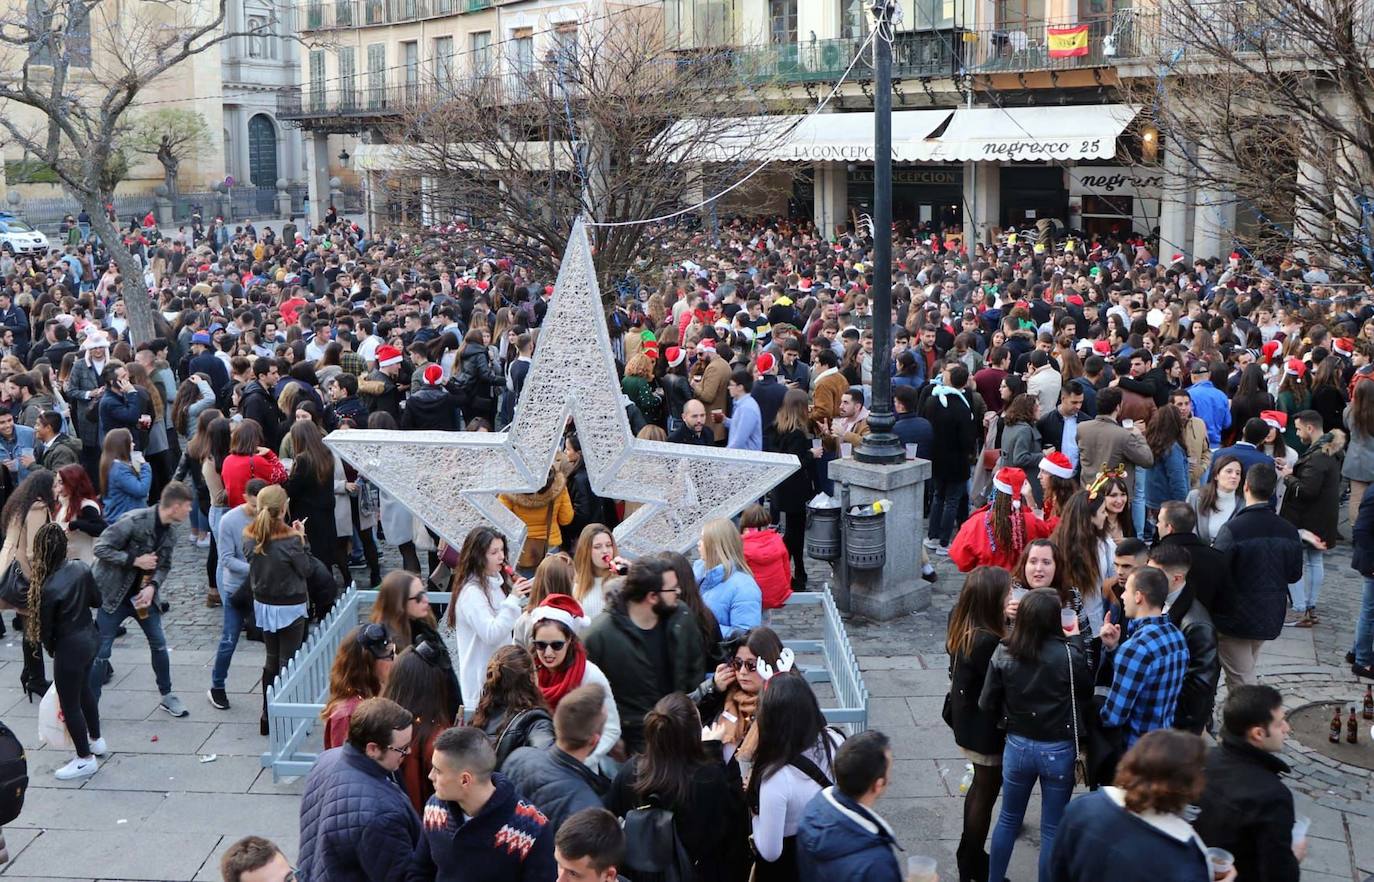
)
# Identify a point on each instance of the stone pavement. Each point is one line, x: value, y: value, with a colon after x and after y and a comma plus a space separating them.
x: 155, y: 811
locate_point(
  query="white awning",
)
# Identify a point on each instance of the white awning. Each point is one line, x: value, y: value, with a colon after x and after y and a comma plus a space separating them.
x: 1032, y: 133
x: 824, y: 137
x: 402, y: 157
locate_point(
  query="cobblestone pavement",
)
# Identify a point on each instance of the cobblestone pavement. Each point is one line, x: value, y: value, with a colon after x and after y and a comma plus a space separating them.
x: 157, y: 810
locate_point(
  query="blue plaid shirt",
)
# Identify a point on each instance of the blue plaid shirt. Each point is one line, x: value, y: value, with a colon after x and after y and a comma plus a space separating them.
x: 1149, y: 668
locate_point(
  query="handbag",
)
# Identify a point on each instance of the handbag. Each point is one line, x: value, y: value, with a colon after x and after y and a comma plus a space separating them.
x: 533, y: 551
x: 993, y: 453
x: 1080, y: 762
x: 14, y: 586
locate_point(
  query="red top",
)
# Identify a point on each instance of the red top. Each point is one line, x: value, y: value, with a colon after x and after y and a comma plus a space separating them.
x: 238, y: 470
x: 768, y: 560
x: 336, y: 727
x: 972, y: 547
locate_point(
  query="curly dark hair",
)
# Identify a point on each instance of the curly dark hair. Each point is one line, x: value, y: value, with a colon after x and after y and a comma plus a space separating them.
x: 1162, y: 772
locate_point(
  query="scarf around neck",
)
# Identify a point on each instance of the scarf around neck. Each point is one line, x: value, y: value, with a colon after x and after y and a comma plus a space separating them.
x: 556, y: 684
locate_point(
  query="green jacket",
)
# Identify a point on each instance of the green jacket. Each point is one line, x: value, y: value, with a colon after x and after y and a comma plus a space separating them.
x: 63, y: 450
x: 617, y: 646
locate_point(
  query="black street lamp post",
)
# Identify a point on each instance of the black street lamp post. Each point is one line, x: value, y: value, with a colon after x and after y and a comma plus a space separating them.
x: 881, y: 445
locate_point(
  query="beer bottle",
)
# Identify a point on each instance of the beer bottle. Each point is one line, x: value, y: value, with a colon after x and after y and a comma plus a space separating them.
x: 1369, y: 702
x: 1335, y: 736
x: 1352, y: 728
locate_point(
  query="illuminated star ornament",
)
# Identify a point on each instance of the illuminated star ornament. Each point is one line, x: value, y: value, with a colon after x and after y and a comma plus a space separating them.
x: 451, y: 480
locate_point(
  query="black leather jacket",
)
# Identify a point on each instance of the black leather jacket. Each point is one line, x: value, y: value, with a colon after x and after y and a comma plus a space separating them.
x: 528, y: 728
x: 1199, y: 695
x: 68, y: 597
x: 1032, y: 699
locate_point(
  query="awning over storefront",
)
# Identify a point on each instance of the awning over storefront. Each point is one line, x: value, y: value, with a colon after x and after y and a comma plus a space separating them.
x: 1035, y: 134
x: 401, y: 157
x: 824, y: 137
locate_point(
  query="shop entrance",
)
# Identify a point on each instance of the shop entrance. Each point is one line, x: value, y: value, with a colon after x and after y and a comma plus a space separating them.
x: 1031, y: 194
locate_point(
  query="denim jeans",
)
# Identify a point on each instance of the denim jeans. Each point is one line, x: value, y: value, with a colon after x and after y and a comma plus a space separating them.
x: 1304, y: 591
x: 107, y: 623
x: 1138, y: 500
x: 228, y: 642
x: 944, y: 512
x: 1024, y: 761
x: 1364, y: 628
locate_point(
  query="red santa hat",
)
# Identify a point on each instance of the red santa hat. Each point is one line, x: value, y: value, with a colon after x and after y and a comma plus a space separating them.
x: 1271, y: 350
x: 1295, y: 368
x: 562, y: 609
x: 481, y: 284
x: 432, y: 375
x: 765, y: 362
x: 1275, y: 418
x: 548, y: 289
x: 1343, y: 345
x: 1057, y: 464
x: 1176, y: 257
x: 707, y: 343
x: 1102, y: 347
x: 1010, y: 480
x: 1074, y: 299
x: 676, y: 355
x: 388, y: 355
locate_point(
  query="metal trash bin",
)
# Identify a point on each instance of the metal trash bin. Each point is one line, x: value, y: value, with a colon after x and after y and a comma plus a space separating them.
x: 823, y: 533
x: 865, y: 544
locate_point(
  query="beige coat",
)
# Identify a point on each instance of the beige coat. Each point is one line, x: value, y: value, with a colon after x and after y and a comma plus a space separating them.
x: 1195, y: 446
x: 1105, y: 443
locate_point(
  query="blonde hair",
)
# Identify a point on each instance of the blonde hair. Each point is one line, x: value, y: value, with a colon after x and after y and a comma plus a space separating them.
x: 720, y: 544
x: 640, y: 366
x: 584, y: 566
x: 270, y: 522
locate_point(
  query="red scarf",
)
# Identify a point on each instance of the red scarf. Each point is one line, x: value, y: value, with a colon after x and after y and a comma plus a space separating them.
x: 556, y: 684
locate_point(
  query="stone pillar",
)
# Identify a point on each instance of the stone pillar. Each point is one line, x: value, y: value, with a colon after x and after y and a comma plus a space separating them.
x: 1311, y: 226
x: 982, y: 200
x: 897, y: 588
x: 317, y: 175
x: 830, y: 195
x: 1175, y: 204
x: 283, y: 198
x: 1214, y: 222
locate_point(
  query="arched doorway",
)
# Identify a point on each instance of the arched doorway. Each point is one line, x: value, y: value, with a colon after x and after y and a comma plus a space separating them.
x: 262, y: 159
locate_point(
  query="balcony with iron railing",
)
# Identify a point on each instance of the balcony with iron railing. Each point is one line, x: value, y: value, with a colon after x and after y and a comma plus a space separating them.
x: 342, y: 107
x: 914, y: 53
x: 327, y: 15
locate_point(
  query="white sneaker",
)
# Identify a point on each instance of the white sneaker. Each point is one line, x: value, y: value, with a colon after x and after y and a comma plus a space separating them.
x: 78, y: 768
x: 203, y: 542
x: 931, y: 544
x: 98, y: 747
x: 942, y: 550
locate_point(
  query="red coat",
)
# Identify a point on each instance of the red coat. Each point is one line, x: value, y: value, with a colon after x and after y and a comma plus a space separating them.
x: 972, y: 547
x: 238, y: 470
x: 768, y: 560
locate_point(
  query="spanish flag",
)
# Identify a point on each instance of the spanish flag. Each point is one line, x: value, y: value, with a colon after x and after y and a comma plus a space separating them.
x: 1070, y: 42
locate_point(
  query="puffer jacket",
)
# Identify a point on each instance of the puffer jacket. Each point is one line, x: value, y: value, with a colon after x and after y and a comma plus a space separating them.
x: 735, y: 600
x: 1033, y: 698
x: 278, y: 575
x: 477, y: 377
x: 771, y: 565
x: 1312, y: 500
x: 356, y: 822
x: 1265, y: 557
x: 559, y: 783
x: 839, y: 840
x: 533, y: 508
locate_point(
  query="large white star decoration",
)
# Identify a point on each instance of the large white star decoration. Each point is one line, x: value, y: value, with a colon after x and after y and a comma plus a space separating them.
x: 451, y: 480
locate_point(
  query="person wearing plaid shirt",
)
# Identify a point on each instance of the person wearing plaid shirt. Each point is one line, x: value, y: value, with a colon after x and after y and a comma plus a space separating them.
x: 1150, y: 664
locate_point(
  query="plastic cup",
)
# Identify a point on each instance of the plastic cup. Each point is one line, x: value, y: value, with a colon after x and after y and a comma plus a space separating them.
x: 845, y: 450
x: 1300, y: 828
x: 910, y: 452
x: 1128, y: 424
x: 921, y: 869
x: 1068, y: 619
x: 1221, y: 861
x: 1018, y: 593
x: 816, y: 444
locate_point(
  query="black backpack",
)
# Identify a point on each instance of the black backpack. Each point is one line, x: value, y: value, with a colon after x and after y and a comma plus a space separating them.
x: 653, y: 851
x: 14, y: 775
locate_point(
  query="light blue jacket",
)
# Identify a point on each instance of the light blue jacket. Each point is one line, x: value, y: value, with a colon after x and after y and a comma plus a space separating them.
x: 1167, y: 479
x: 233, y: 563
x: 22, y: 443
x: 126, y: 491
x: 735, y: 601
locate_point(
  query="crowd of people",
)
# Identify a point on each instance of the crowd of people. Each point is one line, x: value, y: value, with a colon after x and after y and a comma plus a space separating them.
x: 1139, y: 462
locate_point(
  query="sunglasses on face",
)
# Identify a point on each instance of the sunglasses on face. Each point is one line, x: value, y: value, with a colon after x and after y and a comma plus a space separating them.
x: 748, y: 666
x: 423, y: 595
x: 549, y: 645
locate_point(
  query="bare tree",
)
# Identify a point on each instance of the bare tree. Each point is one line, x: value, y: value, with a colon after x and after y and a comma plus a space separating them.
x: 172, y: 135
x: 612, y: 125
x: 1270, y: 105
x: 77, y: 69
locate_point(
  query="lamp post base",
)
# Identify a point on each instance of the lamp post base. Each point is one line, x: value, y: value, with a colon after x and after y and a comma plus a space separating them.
x: 897, y: 588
